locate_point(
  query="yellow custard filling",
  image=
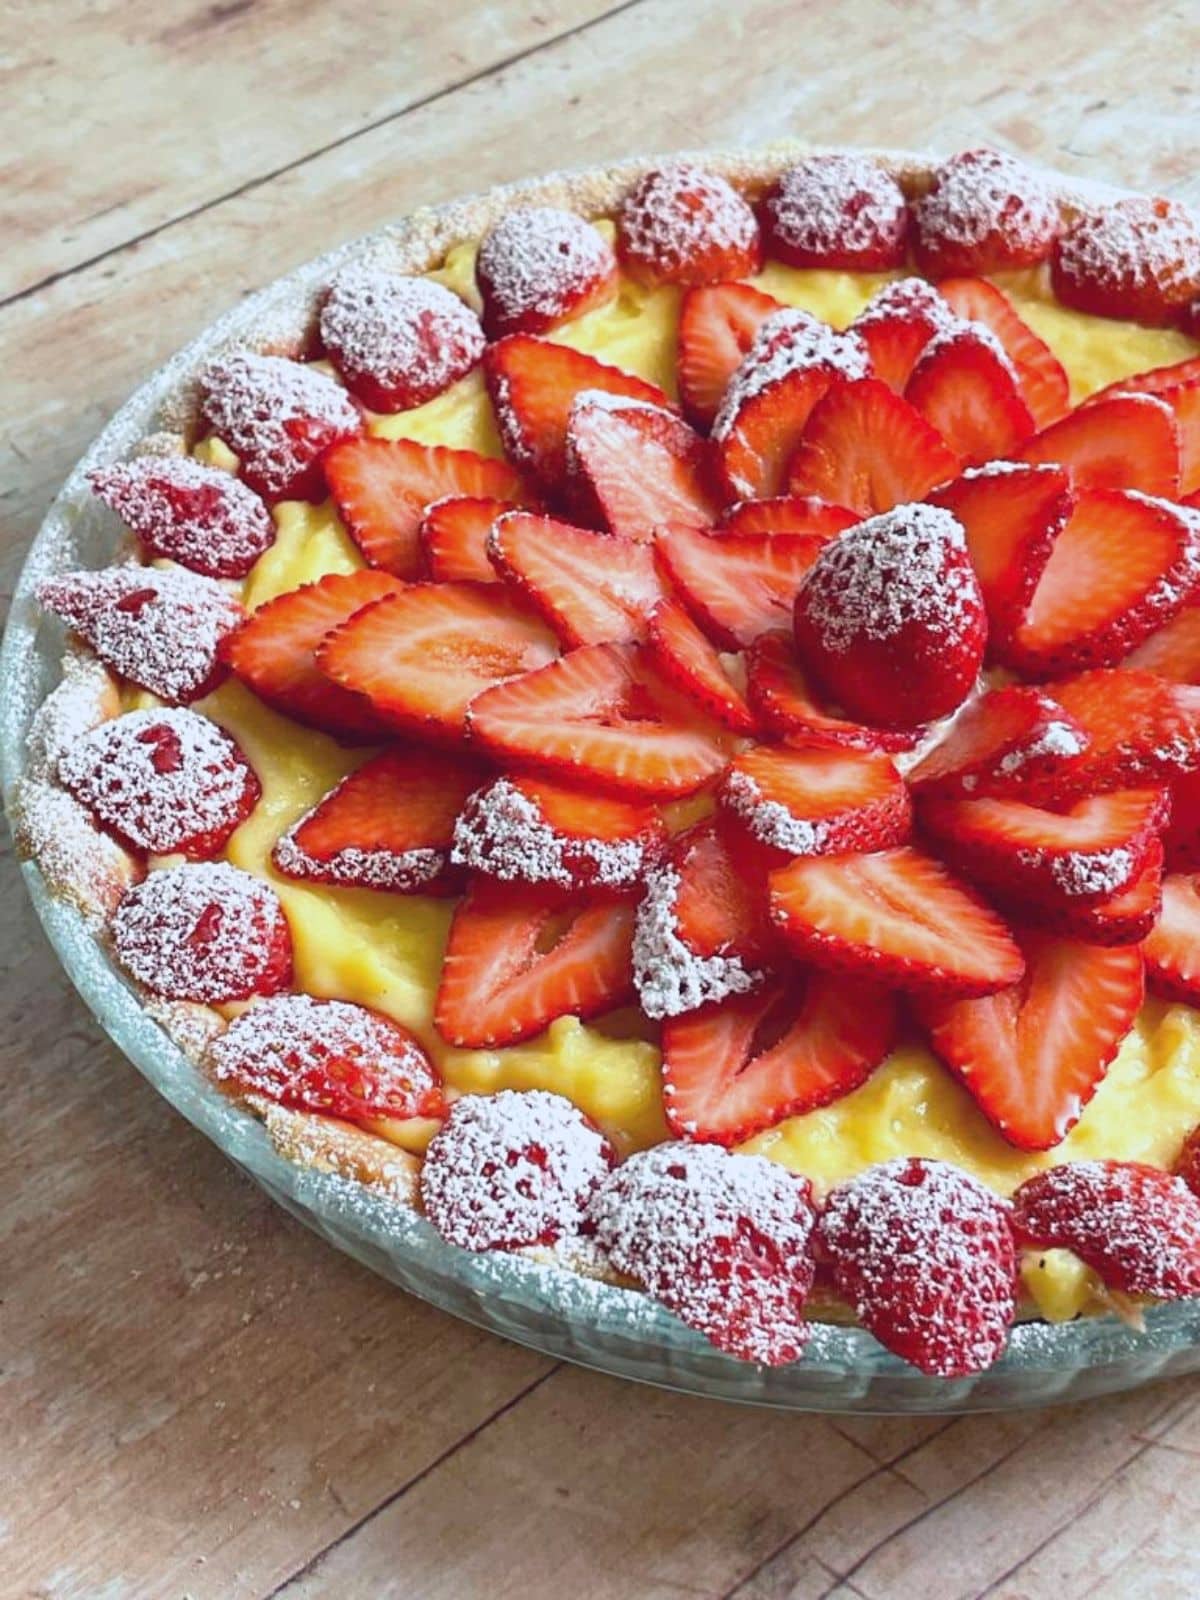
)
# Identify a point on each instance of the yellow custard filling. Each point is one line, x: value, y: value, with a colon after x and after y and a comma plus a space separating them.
x: 385, y: 950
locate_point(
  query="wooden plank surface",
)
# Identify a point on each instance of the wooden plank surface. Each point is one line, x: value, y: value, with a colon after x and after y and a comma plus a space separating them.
x: 197, y: 1398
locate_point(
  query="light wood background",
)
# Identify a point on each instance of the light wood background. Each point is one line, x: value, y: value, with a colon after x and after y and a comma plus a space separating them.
x: 197, y: 1398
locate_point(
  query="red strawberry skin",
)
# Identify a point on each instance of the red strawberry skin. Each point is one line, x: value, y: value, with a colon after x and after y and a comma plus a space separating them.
x: 1172, y: 949
x: 1130, y: 441
x: 967, y: 389
x: 1041, y: 376
x: 717, y: 325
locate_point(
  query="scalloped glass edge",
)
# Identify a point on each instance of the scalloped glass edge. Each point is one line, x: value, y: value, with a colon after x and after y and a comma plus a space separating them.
x: 549, y: 1309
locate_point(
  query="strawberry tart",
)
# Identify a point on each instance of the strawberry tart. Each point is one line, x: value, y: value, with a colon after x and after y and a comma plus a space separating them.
x: 654, y: 720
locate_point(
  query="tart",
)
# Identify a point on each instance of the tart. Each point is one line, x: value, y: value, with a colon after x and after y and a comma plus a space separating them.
x: 654, y: 718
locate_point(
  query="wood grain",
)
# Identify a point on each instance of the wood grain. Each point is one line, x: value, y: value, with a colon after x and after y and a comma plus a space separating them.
x: 199, y: 1398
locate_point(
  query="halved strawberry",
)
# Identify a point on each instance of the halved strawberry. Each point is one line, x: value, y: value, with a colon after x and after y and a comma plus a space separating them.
x: 1011, y: 515
x: 1122, y: 567
x: 897, y: 916
x: 897, y: 323
x: 717, y: 325
x: 591, y: 588
x: 781, y: 696
x: 1136, y: 258
x: 422, y: 655
x: 453, y: 538
x: 1140, y: 730
x: 737, y: 585
x: 802, y: 1040
x: 389, y: 825
x: 1126, y: 918
x: 817, y: 801
x: 632, y: 467
x: 684, y: 224
x: 185, y: 511
x: 1041, y: 376
x: 1128, y: 442
x: 383, y: 488
x: 1172, y: 949
x: 1004, y: 743
x: 839, y: 210
x: 787, y: 513
x: 1172, y: 651
x: 687, y: 659
x: 519, y: 956
x: 984, y: 211
x: 539, y: 266
x: 533, y: 384
x: 274, y: 653
x: 1181, y: 839
x: 602, y: 714
x: 965, y: 386
x: 1033, y: 1055
x: 865, y: 448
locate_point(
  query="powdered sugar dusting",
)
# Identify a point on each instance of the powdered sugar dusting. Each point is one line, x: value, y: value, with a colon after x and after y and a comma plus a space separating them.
x: 830, y: 208
x: 1091, y: 874
x: 913, y: 298
x: 975, y: 332
x: 790, y: 340
x: 276, y: 415
x: 501, y: 831
x: 400, y: 871
x: 671, y: 978
x: 679, y: 218
x: 988, y: 196
x: 206, y: 519
x: 1057, y: 739
x: 537, y: 263
x: 78, y: 861
x: 86, y: 697
x: 1136, y: 241
x: 771, y: 822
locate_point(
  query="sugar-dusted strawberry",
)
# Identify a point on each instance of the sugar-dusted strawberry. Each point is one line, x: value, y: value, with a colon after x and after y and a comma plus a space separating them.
x: 924, y: 1255
x: 512, y: 1169
x: 388, y: 825
x: 538, y: 267
x: 780, y: 694
x: 161, y: 629
x: 528, y: 830
x: 631, y: 466
x: 167, y: 782
x: 800, y: 1041
x: 1032, y: 1056
x: 865, y: 448
x: 421, y: 656
x: 1125, y: 919
x: 590, y: 587
x: 1004, y: 743
x: 787, y: 513
x: 601, y: 714
x: 737, y: 585
x: 279, y: 418
x: 1137, y: 258
x: 383, y: 488
x: 686, y: 658
x: 207, y: 520
x: 1136, y: 1226
x: 897, y: 916
x: 1188, y: 1165
x: 818, y: 801
x: 520, y: 955
x: 966, y: 388
x: 453, y: 538
x: 329, y: 1056
x: 684, y: 224
x: 1130, y: 441
x: 897, y: 323
x: 397, y: 341
x: 1120, y: 569
x: 722, y: 1241
x: 984, y: 211
x: 1178, y: 385
x: 206, y: 932
x: 1172, y: 949
x: 1041, y: 376
x: 717, y: 325
x: 1140, y: 730
x: 274, y: 653
x: 533, y: 384
x: 1181, y: 838
x: 702, y: 930
x: 839, y: 210
x: 1011, y: 515
x: 889, y: 618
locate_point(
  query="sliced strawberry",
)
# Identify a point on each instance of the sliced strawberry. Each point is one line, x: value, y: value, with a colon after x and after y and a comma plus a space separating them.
x: 897, y: 323
x: 274, y: 653
x: 453, y: 538
x: 206, y: 519
x: 1172, y: 651
x: 600, y: 714
x: 737, y: 585
x: 787, y: 513
x: 817, y: 802
x: 965, y: 386
x: 1041, y: 376
x: 632, y: 467
x: 839, y: 210
x: 781, y: 696
x: 1172, y: 949
x: 383, y: 488
x: 518, y: 956
x: 897, y: 916
x: 1004, y: 743
x: 865, y: 448
x: 1033, y: 1055
x: 1011, y: 515
x: 1123, y: 566
x: 1182, y: 836
x: 422, y: 655
x: 1128, y: 442
x: 717, y: 325
x: 683, y: 224
x: 1125, y: 919
x: 1137, y: 258
x: 1179, y: 386
x: 539, y: 266
x: 1140, y: 730
x: 686, y: 658
x: 389, y: 825
x: 984, y: 211
x: 533, y: 384
x: 1156, y: 380
x: 591, y: 588
x: 801, y: 1041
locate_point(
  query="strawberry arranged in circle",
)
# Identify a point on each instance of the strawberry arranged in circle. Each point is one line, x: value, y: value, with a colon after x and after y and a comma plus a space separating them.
x: 633, y: 466
x: 1032, y: 1056
x: 717, y: 325
x: 837, y: 210
x: 329, y: 1056
x: 687, y: 659
x: 1041, y: 376
x: 1172, y: 948
x: 897, y: 323
x: 984, y: 211
x: 205, y: 932
x: 1007, y: 742
x: 787, y: 513
x: 520, y: 955
x: 817, y: 801
x: 785, y: 702
x: 966, y: 388
x: 737, y: 585
x: 388, y: 825
x: 1140, y: 730
x: 1127, y: 917
x: 684, y: 224
x: 924, y: 1255
x: 1130, y: 441
x: 1136, y: 258
x: 453, y: 537
x: 279, y: 418
x: 1178, y: 386
x: 180, y: 509
x: 538, y: 267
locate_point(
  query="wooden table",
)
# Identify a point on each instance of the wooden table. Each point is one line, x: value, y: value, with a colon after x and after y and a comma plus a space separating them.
x: 199, y: 1398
